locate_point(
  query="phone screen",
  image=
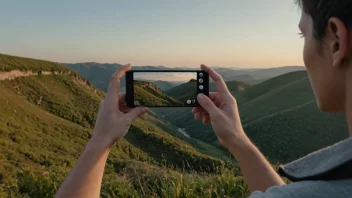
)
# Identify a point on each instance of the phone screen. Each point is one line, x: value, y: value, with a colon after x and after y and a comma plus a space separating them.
x: 167, y: 88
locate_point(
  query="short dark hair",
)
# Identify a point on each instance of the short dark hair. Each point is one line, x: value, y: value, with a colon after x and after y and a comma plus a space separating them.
x: 322, y: 10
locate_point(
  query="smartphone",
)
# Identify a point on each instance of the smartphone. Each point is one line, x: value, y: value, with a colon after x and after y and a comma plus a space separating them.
x: 165, y: 88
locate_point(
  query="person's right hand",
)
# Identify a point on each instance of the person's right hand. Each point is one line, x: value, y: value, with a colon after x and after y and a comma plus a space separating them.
x: 220, y: 108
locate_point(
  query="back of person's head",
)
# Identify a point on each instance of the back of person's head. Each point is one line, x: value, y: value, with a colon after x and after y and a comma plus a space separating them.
x: 326, y: 26
x: 322, y: 10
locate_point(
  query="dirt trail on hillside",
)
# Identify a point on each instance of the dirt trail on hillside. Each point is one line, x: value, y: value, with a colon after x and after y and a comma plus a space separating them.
x: 17, y: 73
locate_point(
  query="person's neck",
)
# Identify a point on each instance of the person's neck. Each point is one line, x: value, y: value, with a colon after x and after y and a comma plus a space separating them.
x: 348, y: 105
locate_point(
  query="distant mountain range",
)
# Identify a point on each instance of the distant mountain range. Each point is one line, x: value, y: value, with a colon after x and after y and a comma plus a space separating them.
x: 98, y: 73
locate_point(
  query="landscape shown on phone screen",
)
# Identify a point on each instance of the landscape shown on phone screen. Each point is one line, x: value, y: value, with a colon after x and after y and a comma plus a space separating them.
x: 160, y: 89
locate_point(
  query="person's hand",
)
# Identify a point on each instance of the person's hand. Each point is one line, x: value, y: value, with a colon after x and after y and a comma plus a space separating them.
x: 220, y: 108
x: 114, y: 117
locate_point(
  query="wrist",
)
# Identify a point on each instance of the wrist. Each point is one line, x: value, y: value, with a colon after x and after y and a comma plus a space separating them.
x: 101, y: 143
x: 238, y: 143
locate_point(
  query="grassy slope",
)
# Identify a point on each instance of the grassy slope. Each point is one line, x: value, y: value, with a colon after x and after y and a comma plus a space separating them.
x: 281, y: 116
x: 8, y: 63
x: 32, y: 137
x: 269, y: 85
x: 285, y: 97
x: 90, y: 71
x: 163, y: 85
x: 295, y: 132
x: 149, y: 95
x: 185, y: 91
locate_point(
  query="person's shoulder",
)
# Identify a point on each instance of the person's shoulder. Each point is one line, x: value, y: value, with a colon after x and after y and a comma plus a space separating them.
x: 312, y: 189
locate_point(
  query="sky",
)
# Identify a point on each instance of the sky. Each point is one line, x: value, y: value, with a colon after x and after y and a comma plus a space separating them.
x: 165, y: 76
x: 187, y: 33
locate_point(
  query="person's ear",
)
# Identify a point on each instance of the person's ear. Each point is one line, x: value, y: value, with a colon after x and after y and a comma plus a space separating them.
x: 338, y: 42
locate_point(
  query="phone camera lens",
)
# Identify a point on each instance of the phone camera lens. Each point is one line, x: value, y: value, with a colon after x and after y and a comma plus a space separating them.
x: 201, y: 80
x: 201, y: 87
x: 200, y: 74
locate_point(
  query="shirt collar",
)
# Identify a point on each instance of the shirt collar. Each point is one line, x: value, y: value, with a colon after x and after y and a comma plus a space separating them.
x: 331, y: 163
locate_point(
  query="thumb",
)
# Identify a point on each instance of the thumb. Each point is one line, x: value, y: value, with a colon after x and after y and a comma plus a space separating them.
x: 208, y: 105
x: 136, y: 112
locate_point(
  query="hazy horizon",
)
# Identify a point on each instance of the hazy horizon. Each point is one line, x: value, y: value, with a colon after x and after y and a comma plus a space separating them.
x: 165, y: 76
x: 231, y: 33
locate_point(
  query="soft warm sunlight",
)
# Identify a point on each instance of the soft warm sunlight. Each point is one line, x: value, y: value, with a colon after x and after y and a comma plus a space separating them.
x: 229, y: 33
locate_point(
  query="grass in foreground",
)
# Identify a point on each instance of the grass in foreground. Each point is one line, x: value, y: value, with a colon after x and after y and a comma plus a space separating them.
x: 135, y: 179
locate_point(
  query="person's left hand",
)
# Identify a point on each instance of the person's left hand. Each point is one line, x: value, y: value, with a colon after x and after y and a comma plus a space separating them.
x: 114, y: 117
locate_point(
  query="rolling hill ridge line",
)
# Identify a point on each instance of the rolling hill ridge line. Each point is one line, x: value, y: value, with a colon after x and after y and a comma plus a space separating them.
x: 278, y: 112
x: 11, y: 75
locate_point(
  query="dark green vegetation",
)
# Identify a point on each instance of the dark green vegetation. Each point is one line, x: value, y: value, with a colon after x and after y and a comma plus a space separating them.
x: 148, y: 94
x: 9, y: 63
x: 46, y: 121
x: 184, y: 91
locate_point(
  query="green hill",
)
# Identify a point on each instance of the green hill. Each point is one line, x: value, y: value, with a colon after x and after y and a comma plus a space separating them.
x: 46, y: 120
x: 148, y: 94
x: 184, y: 91
x: 270, y: 85
x: 9, y: 63
x: 292, y: 133
x: 163, y: 85
x: 235, y: 87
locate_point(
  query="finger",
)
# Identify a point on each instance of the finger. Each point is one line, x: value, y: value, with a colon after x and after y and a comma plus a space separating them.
x: 197, y: 109
x: 207, y: 105
x: 206, y: 120
x: 114, y: 85
x: 219, y: 82
x: 125, y: 109
x: 197, y: 116
x: 202, y: 111
x: 212, y: 95
x: 122, y: 97
x: 194, y: 109
x: 136, y: 112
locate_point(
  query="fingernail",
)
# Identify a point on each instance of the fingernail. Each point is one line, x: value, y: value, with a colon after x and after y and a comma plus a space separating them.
x: 201, y: 96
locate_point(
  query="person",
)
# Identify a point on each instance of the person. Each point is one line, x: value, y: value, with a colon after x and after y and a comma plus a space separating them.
x: 326, y: 28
